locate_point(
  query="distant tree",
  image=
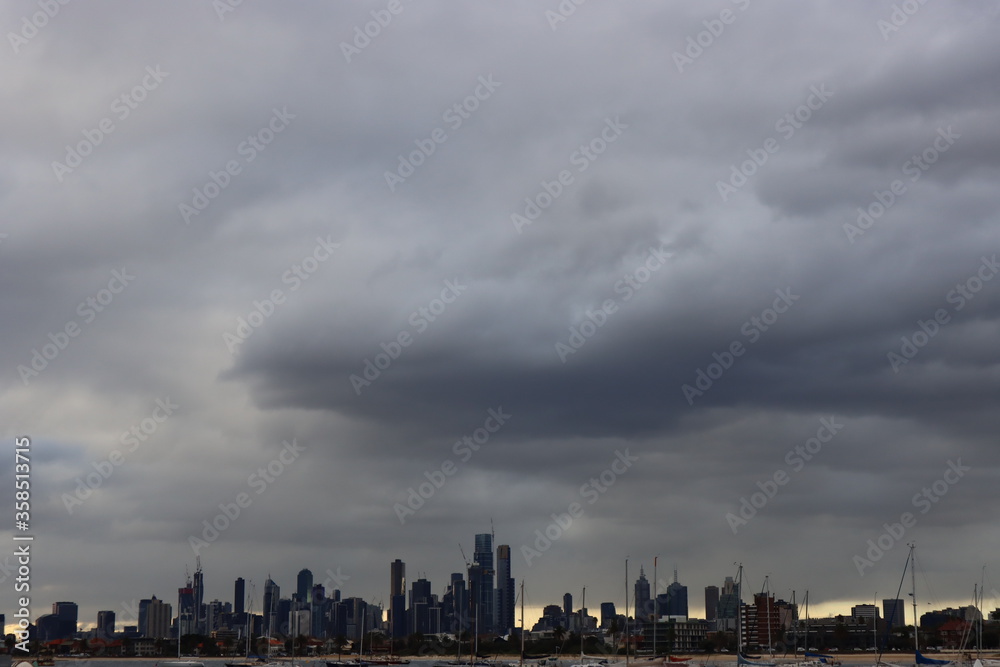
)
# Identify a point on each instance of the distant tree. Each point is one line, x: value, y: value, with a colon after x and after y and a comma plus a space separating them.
x: 414, y: 641
x: 340, y: 641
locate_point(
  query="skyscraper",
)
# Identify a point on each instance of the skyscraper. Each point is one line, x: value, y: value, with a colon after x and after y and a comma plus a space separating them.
x: 154, y: 618
x: 239, y: 596
x: 481, y: 582
x: 894, y: 612
x: 677, y: 599
x: 317, y: 608
x: 643, y: 608
x: 199, y: 598
x: 711, y: 602
x: 567, y: 604
x: 68, y: 613
x: 105, y: 624
x: 397, y: 599
x: 397, y: 577
x: 729, y: 604
x: 458, y: 597
x: 505, y: 591
x: 303, y: 588
x: 186, y: 619
x: 420, y: 603
x: 608, y: 614
x: 272, y: 593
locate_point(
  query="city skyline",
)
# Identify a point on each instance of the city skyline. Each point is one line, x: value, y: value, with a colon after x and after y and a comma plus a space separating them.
x: 128, y: 609
x: 322, y: 285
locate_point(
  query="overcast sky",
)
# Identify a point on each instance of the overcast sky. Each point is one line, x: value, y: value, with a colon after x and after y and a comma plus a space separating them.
x: 716, y: 249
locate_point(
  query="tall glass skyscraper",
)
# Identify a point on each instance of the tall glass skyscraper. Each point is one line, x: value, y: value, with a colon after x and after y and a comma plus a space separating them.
x: 505, y: 591
x: 303, y: 588
x: 481, y: 582
x: 239, y: 596
x: 272, y: 594
x: 397, y: 599
x: 643, y: 607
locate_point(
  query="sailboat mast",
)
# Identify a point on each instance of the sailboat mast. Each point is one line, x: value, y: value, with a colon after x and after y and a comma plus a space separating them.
x: 626, y: 613
x: 806, y: 640
x: 656, y: 612
x: 767, y: 607
x: 583, y: 607
x: 875, y: 622
x: 522, y: 623
x: 739, y: 610
x: 913, y: 588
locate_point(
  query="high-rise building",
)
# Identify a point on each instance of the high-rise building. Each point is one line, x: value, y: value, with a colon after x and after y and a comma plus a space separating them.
x: 729, y: 605
x: 894, y: 612
x: 214, y: 611
x: 154, y: 618
x: 567, y: 604
x: 282, y: 616
x: 420, y: 604
x: 186, y: 617
x: 303, y: 588
x: 865, y: 611
x: 239, y: 596
x: 505, y: 591
x: 105, y: 624
x: 397, y: 577
x: 608, y: 614
x: 643, y: 608
x: 481, y: 583
x: 763, y: 623
x: 317, y: 608
x: 397, y: 599
x: 455, y: 605
x: 711, y: 602
x: 677, y: 600
x: 199, y: 598
x: 68, y: 613
x: 272, y: 593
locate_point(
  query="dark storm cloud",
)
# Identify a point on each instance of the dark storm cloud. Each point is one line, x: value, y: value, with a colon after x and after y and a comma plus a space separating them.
x: 581, y: 192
